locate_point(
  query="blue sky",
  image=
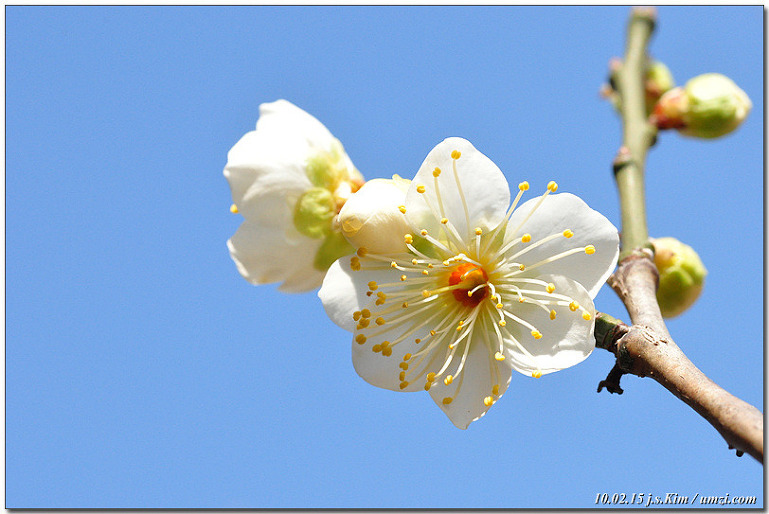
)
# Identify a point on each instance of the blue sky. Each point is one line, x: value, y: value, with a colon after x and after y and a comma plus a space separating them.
x: 143, y: 371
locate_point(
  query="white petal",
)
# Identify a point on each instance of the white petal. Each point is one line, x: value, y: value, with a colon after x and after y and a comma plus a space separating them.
x: 556, y: 214
x: 475, y: 383
x: 567, y: 340
x: 267, y: 176
x: 344, y: 291
x: 288, y: 122
x: 371, y: 219
x: 266, y: 254
x: 485, y: 190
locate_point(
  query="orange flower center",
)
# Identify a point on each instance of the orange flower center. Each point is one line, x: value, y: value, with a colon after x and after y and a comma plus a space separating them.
x: 469, y: 276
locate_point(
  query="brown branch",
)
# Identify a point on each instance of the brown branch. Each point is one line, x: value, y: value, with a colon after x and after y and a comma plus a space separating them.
x: 646, y: 348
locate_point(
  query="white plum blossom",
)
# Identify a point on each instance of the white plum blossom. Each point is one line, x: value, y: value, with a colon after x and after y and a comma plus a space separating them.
x: 475, y: 288
x: 289, y: 179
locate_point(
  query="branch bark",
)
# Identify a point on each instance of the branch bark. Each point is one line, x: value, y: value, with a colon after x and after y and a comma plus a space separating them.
x: 645, y: 348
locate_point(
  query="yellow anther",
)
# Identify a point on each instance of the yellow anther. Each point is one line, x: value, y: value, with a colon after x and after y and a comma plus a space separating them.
x: 425, y: 272
x: 356, y: 315
x: 428, y: 385
x: 380, y: 321
x: 363, y: 323
x: 499, y: 357
x: 590, y: 249
x: 423, y: 232
x: 365, y: 313
x: 403, y: 278
x: 414, y: 262
x: 355, y: 264
x: 362, y: 252
x: 521, y: 299
x: 387, y: 351
x: 408, y: 238
x: 404, y: 385
x: 417, y: 340
x: 521, y: 267
x: 404, y: 366
x: 407, y: 357
x: 433, y: 332
x: 552, y: 314
x: 402, y: 376
x: 373, y: 285
x: 385, y: 344
x: 420, y: 188
x: 444, y: 220
x: 429, y: 265
x: 550, y: 287
x: 380, y: 301
x: 455, y: 154
x: 536, y: 374
x: 552, y: 186
x: 448, y: 380
x: 526, y: 238
x: 499, y: 306
x: 567, y: 233
x: 369, y: 293
x: 478, y: 231
x: 470, y: 293
x: 502, y: 323
x: 376, y: 348
x: 461, y: 322
x: 393, y: 264
x: 523, y: 186
x: 402, y: 208
x: 586, y: 316
x: 573, y: 306
x: 436, y: 172
x: 536, y: 334
x: 495, y: 389
x: 431, y: 376
x: 446, y: 262
x: 234, y: 209
x: 447, y: 400
x: 488, y: 401
x: 405, y: 305
x: 426, y: 293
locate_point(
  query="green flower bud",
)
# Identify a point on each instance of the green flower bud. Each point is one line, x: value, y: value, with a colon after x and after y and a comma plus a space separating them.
x: 314, y: 212
x: 710, y: 106
x: 659, y: 80
x: 682, y: 275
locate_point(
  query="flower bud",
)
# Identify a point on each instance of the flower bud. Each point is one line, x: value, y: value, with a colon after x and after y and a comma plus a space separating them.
x: 682, y: 275
x: 710, y: 106
x: 659, y: 80
x: 371, y: 217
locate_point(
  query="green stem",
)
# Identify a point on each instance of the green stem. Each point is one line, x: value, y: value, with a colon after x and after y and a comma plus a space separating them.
x: 638, y: 134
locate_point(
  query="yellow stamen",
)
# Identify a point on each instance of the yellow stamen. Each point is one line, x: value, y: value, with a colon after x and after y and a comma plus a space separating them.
x: 590, y: 249
x: 498, y: 356
x: 536, y: 374
x: 234, y: 209
x: 552, y: 314
x: 447, y: 400
x: 448, y: 380
x: 521, y: 267
x: 526, y: 238
x: 495, y: 390
x: 436, y: 172
x: 380, y: 321
x: 365, y: 313
x: 402, y: 208
x: 573, y: 306
x: 420, y: 188
x: 455, y: 154
x: 362, y: 252
x: 523, y: 186
x: 373, y: 285
x: 404, y: 384
x: 550, y: 287
x: 360, y: 339
x: 444, y: 220
x: 567, y: 233
x: 536, y: 334
x: 586, y: 316
x: 478, y: 231
x: 552, y: 186
x: 488, y: 401
x: 408, y: 238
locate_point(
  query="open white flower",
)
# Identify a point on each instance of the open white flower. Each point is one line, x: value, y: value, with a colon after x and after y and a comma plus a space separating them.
x: 480, y: 290
x: 289, y: 178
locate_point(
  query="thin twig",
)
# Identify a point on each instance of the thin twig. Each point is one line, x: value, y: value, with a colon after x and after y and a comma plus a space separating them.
x: 646, y: 348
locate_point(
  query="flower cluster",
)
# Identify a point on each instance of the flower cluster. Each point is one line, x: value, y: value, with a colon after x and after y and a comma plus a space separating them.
x: 289, y: 179
x: 452, y: 287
